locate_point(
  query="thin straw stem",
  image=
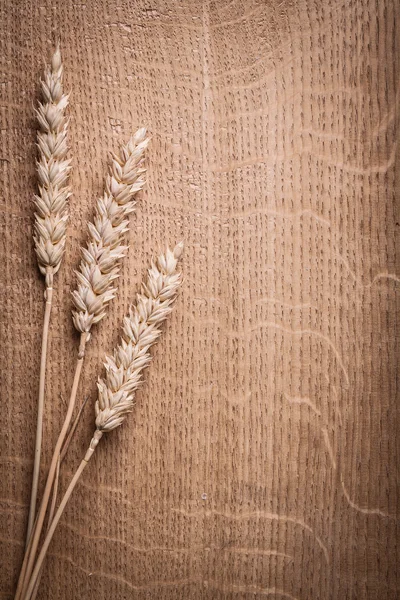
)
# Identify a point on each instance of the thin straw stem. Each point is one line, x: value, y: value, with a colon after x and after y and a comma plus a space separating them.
x: 30, y: 554
x: 39, y: 424
x: 55, y: 492
x: 71, y: 433
x: 51, y: 514
x: 24, y: 565
x: 95, y: 440
x: 63, y: 452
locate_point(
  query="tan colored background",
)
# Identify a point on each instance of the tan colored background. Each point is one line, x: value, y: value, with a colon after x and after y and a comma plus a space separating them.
x: 262, y: 458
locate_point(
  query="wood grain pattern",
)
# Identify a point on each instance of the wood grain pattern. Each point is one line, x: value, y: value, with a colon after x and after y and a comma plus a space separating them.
x: 262, y: 458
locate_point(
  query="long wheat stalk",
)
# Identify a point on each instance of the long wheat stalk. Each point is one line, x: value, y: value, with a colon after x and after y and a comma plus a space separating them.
x: 51, y: 217
x: 116, y: 392
x: 97, y: 273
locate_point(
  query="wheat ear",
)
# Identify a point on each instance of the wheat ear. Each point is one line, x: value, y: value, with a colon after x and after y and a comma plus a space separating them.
x: 116, y: 392
x: 100, y: 263
x: 97, y: 272
x: 51, y: 217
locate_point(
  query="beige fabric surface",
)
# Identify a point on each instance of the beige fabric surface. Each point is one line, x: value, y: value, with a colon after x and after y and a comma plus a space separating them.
x: 262, y: 457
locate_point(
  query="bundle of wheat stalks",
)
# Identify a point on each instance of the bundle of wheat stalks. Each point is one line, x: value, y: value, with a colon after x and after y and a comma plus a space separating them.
x: 96, y: 275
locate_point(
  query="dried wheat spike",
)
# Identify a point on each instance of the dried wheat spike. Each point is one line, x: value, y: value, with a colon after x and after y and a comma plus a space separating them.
x: 100, y: 263
x: 141, y: 330
x: 53, y: 168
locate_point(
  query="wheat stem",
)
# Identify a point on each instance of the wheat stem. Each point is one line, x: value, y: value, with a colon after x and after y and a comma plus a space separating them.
x: 93, y: 444
x: 63, y: 452
x: 51, y: 515
x: 55, y: 492
x: 39, y: 424
x: 36, y: 532
x: 71, y: 432
x: 24, y: 566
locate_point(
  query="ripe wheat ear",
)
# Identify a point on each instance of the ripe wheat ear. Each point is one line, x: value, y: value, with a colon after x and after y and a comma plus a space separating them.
x: 51, y: 216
